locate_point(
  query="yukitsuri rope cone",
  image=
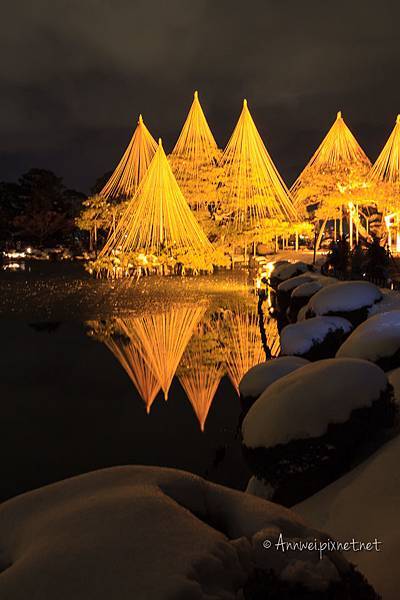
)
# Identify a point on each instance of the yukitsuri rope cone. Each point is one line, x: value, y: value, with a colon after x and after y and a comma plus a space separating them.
x: 242, y: 341
x: 194, y: 159
x: 201, y: 371
x: 385, y: 174
x: 134, y: 163
x: 164, y: 337
x: 250, y: 185
x: 158, y: 218
x: 335, y: 177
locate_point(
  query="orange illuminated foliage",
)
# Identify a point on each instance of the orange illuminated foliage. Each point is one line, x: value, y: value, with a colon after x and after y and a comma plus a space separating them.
x: 385, y: 174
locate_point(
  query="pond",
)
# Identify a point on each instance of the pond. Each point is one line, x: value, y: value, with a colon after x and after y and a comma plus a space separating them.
x: 96, y: 373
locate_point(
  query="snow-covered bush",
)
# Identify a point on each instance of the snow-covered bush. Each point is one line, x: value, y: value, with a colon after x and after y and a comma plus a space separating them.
x: 349, y: 299
x: 285, y: 289
x: 308, y: 427
x: 316, y: 338
x: 259, y: 377
x: 288, y: 270
x: 377, y: 340
x: 300, y: 297
x: 147, y: 532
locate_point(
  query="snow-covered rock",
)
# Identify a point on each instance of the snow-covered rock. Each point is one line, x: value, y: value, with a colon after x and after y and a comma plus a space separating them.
x: 364, y: 505
x: 349, y: 299
x: 315, y: 338
x: 390, y: 301
x: 309, y: 427
x: 301, y: 315
x: 377, y: 340
x: 156, y: 533
x: 259, y: 377
x: 304, y: 403
x: 290, y: 284
x: 287, y: 270
x: 308, y: 289
x: 394, y: 379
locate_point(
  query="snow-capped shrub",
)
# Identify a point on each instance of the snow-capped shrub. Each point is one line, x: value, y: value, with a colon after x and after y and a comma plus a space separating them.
x: 259, y: 377
x: 300, y: 296
x: 349, y: 299
x: 148, y: 532
x: 286, y: 288
x: 377, y: 340
x: 306, y: 429
x: 288, y: 270
x: 316, y: 338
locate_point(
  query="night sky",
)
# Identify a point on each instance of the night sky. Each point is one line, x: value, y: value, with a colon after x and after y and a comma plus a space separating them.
x: 75, y: 75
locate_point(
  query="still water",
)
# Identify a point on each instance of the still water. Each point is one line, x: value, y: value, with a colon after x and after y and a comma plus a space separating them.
x: 95, y: 373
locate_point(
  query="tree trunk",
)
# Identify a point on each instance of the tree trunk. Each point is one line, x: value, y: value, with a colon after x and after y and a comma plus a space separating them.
x: 321, y: 233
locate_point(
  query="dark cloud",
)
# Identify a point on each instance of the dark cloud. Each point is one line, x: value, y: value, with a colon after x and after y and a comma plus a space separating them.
x: 75, y: 75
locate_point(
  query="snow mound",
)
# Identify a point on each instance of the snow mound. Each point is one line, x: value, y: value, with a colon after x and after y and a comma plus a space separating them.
x: 390, y: 301
x: 302, y: 404
x: 287, y: 270
x: 346, y: 296
x: 394, y: 380
x: 377, y: 340
x: 258, y: 378
x: 294, y: 282
x: 305, y: 290
x: 146, y: 532
x: 299, y: 338
x: 364, y: 505
x: 301, y: 316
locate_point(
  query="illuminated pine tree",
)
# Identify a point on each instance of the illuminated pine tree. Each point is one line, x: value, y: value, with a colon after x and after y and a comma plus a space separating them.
x: 335, y: 179
x: 194, y: 159
x: 250, y: 188
x: 133, y: 165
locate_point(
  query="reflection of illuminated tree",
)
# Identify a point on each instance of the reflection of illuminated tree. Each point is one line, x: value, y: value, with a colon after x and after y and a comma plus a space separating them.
x: 164, y: 337
x: 119, y: 337
x: 201, y: 370
x: 241, y: 340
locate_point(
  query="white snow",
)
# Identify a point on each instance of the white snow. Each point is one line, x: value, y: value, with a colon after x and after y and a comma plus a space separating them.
x: 344, y: 296
x: 301, y: 315
x: 294, y: 282
x: 378, y: 337
x: 394, y: 379
x: 302, y: 404
x: 300, y: 337
x: 287, y: 270
x: 259, y: 488
x: 145, y: 532
x: 258, y: 378
x: 364, y: 505
x: 390, y: 301
x: 305, y: 289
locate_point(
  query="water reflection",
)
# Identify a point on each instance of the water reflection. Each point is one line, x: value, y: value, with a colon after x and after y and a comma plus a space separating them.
x: 198, y: 343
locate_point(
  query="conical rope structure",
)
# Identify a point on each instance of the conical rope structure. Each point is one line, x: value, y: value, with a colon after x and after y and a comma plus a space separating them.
x: 385, y: 173
x: 200, y: 373
x: 338, y: 166
x: 164, y: 337
x: 250, y: 185
x: 134, y: 163
x: 242, y: 341
x: 194, y: 159
x: 158, y: 218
